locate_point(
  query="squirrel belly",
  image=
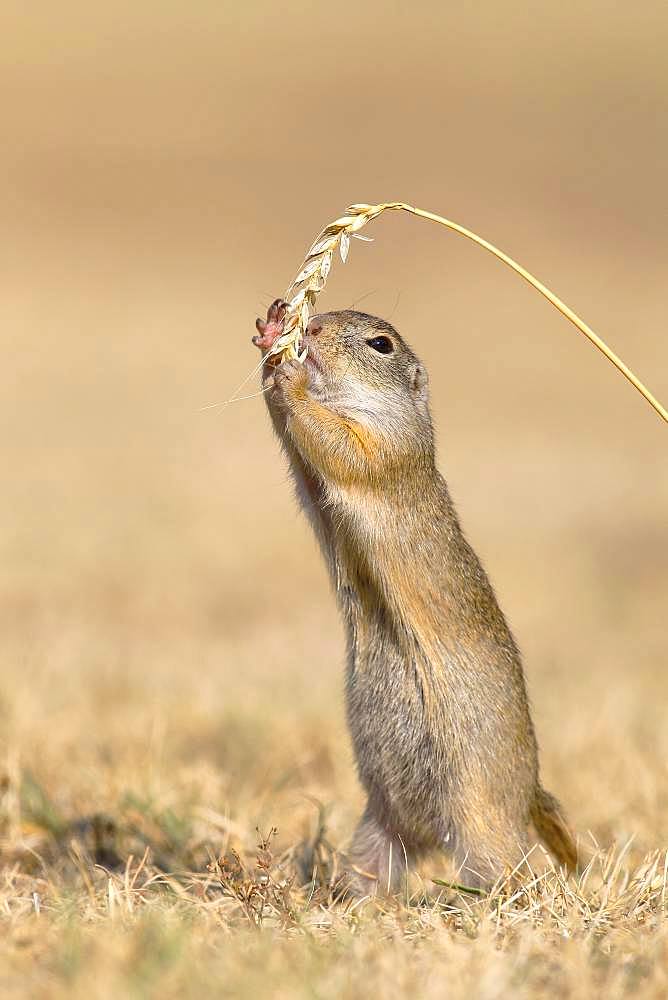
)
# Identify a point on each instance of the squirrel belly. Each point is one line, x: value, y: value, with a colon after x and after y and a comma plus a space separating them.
x: 436, y: 702
x: 435, y: 692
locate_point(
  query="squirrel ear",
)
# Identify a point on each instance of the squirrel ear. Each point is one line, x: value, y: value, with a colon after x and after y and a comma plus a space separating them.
x: 420, y: 383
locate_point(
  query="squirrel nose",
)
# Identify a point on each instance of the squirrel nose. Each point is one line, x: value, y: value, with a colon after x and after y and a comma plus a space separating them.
x: 314, y: 327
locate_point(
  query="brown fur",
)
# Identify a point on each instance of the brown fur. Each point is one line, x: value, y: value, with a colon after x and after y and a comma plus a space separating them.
x: 436, y: 698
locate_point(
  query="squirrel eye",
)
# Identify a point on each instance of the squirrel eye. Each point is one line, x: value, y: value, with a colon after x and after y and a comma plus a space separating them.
x: 381, y: 344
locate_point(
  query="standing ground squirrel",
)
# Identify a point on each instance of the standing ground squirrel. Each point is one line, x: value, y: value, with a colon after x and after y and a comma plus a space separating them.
x: 436, y: 700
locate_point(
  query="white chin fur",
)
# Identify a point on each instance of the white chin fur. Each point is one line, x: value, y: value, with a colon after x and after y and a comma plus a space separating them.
x: 364, y: 406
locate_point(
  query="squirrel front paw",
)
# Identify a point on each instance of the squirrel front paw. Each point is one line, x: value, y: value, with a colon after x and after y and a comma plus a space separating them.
x: 290, y: 382
x: 271, y: 328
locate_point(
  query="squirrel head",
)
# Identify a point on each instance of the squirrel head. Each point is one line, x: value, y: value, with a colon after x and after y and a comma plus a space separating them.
x: 364, y: 375
x: 362, y: 368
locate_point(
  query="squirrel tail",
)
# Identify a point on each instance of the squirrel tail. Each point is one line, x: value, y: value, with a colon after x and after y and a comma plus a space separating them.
x: 551, y: 827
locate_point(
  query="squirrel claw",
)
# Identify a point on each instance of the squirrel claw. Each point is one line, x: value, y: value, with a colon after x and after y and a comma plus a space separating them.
x: 276, y: 311
x: 269, y: 330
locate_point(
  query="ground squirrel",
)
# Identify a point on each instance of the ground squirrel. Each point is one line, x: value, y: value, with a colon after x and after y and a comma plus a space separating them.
x: 436, y: 699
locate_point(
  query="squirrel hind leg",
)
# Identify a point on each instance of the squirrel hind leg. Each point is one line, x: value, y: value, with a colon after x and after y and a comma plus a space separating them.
x: 377, y: 860
x: 482, y: 860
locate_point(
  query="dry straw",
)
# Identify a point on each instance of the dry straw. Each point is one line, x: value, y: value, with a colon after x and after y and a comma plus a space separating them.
x: 304, y: 290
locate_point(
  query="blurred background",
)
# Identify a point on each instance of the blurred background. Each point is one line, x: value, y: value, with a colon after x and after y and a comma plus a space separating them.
x: 167, y: 625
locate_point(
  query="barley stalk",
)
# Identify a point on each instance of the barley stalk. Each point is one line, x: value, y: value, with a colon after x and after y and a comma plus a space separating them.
x: 312, y: 277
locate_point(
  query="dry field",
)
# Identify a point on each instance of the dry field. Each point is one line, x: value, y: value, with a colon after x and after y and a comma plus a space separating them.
x: 170, y: 656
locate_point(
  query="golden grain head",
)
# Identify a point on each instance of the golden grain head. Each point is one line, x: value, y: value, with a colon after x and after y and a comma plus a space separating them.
x: 302, y: 294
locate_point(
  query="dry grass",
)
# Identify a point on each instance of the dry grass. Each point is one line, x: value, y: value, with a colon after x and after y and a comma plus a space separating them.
x: 133, y: 903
